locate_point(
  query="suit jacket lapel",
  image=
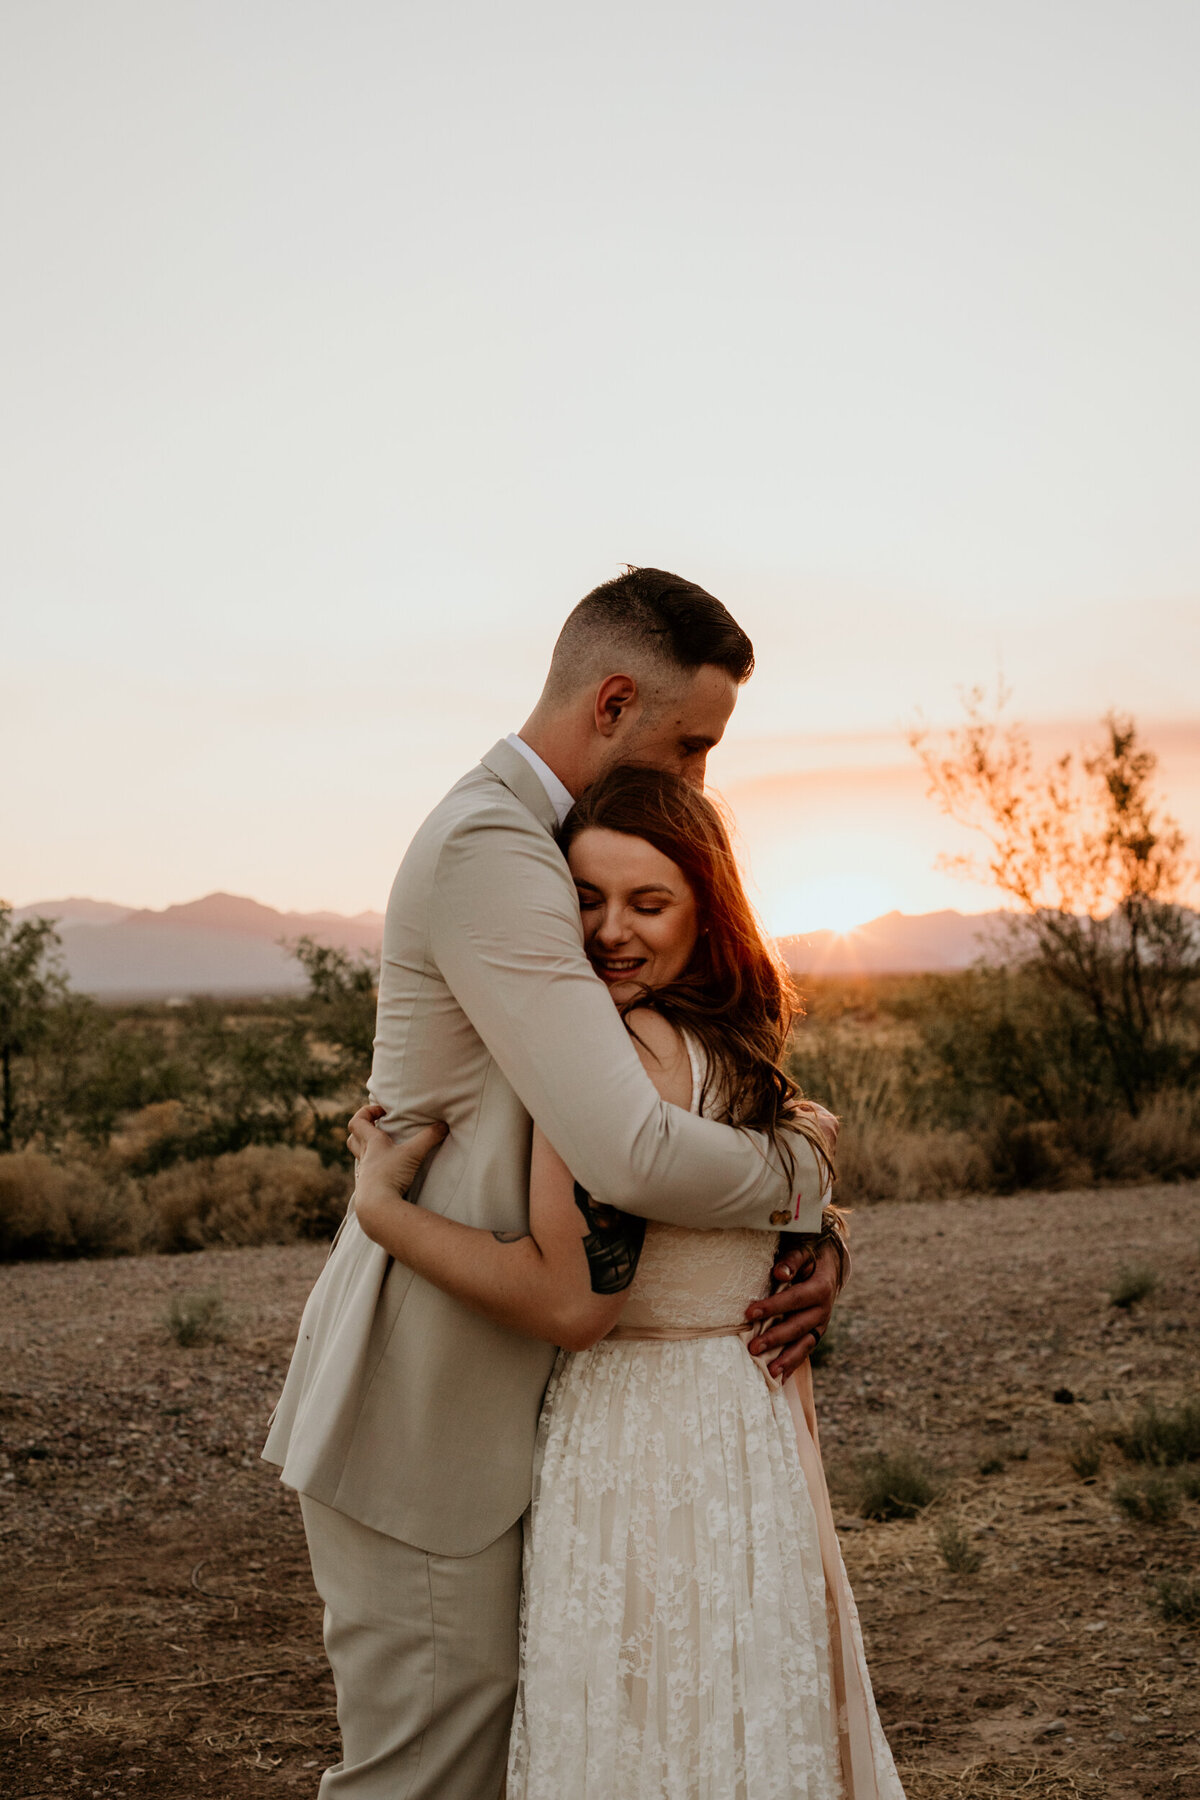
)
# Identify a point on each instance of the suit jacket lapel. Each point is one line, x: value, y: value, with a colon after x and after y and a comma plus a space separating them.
x: 510, y: 767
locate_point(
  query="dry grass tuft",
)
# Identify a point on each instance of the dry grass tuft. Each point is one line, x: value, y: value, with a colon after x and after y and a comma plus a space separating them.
x: 1151, y: 1498
x: 1084, y: 1457
x: 1178, y: 1599
x: 957, y: 1549
x: 1162, y: 1143
x: 895, y: 1484
x: 1130, y: 1285
x: 200, y: 1318
x: 881, y: 1161
x: 1164, y: 1438
x: 1007, y: 1780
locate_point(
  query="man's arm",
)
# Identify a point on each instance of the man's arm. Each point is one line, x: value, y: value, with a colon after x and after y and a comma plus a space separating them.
x: 506, y: 937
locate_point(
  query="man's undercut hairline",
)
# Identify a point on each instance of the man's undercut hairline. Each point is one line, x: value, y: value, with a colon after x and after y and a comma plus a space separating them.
x: 656, y: 671
x: 663, y: 629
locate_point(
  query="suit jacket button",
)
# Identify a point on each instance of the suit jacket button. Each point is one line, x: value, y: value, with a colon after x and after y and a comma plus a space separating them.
x: 781, y: 1218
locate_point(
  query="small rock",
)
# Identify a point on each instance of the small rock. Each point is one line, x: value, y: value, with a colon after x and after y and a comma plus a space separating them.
x: 1052, y: 1729
x: 1116, y: 1737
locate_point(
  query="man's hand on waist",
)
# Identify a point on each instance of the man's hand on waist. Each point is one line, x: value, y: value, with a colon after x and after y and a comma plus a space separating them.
x: 797, y: 1315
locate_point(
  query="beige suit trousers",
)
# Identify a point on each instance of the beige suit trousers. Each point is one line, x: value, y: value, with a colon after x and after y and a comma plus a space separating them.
x: 424, y: 1656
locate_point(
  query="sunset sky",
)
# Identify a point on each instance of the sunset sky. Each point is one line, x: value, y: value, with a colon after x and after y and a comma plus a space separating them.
x: 347, y: 346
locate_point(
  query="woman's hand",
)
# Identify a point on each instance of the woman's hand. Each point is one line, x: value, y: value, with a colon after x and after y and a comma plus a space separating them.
x: 387, y: 1163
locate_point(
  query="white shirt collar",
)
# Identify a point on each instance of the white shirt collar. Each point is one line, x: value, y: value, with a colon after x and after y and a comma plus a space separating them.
x: 559, y: 798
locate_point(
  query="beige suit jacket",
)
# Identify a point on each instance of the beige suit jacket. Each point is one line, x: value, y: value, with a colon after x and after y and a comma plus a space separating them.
x: 402, y: 1407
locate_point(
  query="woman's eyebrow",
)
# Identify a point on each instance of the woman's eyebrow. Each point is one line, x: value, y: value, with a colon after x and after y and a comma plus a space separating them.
x: 649, y: 887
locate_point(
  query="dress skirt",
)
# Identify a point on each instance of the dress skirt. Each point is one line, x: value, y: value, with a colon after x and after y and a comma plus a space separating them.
x: 675, y: 1631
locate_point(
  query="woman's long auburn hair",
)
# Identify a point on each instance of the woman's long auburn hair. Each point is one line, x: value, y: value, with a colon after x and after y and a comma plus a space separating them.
x: 735, y: 994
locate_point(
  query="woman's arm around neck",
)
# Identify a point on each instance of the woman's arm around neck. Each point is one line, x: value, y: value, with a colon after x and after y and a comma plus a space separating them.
x: 565, y: 1280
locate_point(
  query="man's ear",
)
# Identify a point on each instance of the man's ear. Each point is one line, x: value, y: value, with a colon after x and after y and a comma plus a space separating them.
x: 616, y: 696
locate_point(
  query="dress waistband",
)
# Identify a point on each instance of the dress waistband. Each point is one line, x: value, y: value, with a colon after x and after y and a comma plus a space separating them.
x: 674, y: 1334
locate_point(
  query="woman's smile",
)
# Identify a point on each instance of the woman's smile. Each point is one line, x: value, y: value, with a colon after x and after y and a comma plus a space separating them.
x: 615, y: 968
x: 640, y: 920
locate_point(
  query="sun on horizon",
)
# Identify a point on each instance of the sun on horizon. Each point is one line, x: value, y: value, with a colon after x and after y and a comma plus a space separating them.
x: 841, y: 903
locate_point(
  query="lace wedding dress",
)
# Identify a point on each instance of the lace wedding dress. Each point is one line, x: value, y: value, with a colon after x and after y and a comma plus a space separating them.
x: 687, y: 1632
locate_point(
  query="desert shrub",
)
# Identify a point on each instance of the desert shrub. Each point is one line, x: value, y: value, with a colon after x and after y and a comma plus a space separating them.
x: 1131, y: 1284
x: 53, y: 1208
x: 996, y: 1035
x: 1161, y: 1437
x: 261, y: 1195
x: 1084, y: 1456
x: 1151, y: 1498
x: 1024, y: 1153
x: 894, y: 1484
x: 1162, y: 1141
x: 990, y: 1080
x: 198, y: 1318
x: 1178, y: 1598
x: 137, y: 1139
x: 877, y: 1161
x: 957, y: 1551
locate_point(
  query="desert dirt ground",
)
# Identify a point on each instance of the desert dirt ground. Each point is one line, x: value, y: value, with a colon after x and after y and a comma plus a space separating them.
x: 160, y: 1632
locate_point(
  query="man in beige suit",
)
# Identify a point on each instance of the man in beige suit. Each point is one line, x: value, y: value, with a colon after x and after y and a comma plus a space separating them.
x: 407, y: 1421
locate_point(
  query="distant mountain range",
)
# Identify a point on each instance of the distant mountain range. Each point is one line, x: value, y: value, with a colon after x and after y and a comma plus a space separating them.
x: 226, y: 944
x: 223, y: 944
x: 897, y: 944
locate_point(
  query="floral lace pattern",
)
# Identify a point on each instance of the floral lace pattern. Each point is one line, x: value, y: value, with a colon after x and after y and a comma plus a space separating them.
x: 674, y: 1634
x: 697, y: 1280
x: 675, y: 1642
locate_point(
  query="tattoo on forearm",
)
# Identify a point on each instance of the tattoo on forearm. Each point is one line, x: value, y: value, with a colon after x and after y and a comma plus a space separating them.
x: 613, y: 1243
x: 509, y: 1237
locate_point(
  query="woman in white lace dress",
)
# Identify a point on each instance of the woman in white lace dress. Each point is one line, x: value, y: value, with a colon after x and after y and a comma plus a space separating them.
x: 687, y: 1629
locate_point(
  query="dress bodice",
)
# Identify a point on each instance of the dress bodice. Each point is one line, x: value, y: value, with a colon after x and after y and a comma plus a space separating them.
x: 698, y: 1280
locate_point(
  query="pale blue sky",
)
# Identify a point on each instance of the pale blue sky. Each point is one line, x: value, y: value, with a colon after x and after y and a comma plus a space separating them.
x: 346, y: 346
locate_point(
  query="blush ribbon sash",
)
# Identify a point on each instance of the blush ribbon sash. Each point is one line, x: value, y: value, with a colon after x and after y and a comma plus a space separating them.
x: 850, y: 1681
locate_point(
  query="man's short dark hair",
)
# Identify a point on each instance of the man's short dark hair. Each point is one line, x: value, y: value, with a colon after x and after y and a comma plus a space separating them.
x: 659, y: 613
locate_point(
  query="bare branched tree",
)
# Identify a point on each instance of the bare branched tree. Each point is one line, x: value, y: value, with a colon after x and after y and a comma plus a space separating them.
x: 1097, y: 874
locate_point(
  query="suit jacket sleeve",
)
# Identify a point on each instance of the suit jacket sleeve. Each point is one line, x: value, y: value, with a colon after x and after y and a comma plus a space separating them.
x: 506, y: 937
